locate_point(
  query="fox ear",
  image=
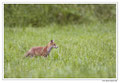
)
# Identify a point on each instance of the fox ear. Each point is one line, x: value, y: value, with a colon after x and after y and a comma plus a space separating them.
x: 52, y: 41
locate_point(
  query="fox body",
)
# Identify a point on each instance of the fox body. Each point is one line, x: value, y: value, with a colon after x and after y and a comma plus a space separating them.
x: 41, y: 51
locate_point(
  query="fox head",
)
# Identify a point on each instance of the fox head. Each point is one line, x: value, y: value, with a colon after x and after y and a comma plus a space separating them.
x: 52, y: 44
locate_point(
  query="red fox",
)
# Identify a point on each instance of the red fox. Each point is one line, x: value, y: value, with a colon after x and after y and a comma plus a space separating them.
x: 41, y: 51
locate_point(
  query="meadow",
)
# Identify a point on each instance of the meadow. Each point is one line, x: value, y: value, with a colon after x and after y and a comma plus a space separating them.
x: 84, y: 51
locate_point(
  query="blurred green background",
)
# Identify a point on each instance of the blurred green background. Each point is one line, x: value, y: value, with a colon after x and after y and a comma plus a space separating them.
x: 46, y: 14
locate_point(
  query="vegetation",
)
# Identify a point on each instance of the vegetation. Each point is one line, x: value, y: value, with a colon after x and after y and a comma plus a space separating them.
x: 41, y: 15
x: 87, y: 45
x: 84, y: 51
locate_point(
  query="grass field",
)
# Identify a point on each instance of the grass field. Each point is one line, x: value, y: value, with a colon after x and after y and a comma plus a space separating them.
x: 85, y: 51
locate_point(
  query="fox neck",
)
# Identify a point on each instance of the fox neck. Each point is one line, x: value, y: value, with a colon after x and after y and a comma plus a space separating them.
x: 49, y: 48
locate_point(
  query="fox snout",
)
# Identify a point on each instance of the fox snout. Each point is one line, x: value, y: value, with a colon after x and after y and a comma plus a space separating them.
x: 56, y: 47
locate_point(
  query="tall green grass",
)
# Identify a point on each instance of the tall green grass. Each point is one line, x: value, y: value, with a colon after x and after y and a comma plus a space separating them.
x: 85, y: 51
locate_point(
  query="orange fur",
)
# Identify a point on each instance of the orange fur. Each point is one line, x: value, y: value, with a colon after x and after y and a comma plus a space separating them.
x: 41, y: 51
